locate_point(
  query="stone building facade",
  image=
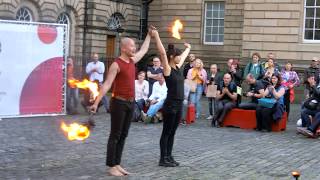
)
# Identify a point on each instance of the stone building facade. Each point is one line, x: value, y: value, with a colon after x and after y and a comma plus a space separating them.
x: 220, y: 29
x: 94, y: 25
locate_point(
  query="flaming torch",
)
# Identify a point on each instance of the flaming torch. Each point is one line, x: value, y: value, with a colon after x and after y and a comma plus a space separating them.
x: 76, y: 131
x: 176, y: 28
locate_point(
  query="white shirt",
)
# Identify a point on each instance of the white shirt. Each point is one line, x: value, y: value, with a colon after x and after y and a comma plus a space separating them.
x: 159, y: 92
x: 97, y: 75
x: 141, y: 90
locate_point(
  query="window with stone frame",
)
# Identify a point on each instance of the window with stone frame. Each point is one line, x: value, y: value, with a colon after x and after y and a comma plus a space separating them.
x: 214, y: 23
x: 24, y: 14
x: 312, y: 21
x: 63, y: 18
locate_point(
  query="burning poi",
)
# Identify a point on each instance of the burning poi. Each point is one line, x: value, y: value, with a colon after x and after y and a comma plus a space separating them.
x: 77, y: 131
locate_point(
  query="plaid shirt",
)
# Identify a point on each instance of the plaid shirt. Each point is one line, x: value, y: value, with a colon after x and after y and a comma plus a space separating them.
x: 291, y: 78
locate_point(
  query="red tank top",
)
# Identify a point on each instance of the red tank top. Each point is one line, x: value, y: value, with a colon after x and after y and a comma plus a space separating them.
x: 123, y: 84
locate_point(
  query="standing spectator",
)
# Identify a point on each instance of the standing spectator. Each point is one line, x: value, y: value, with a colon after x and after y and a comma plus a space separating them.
x: 189, y: 65
x: 186, y: 92
x: 254, y: 67
x: 95, y: 70
x: 198, y: 75
x: 270, y: 56
x: 229, y: 63
x: 265, y: 115
x: 156, y: 100
x: 290, y: 80
x: 312, y: 70
x: 227, y: 97
x: 236, y: 72
x: 141, y: 90
x: 154, y: 73
x: 214, y: 78
x: 270, y: 70
x: 72, y: 90
x: 256, y: 91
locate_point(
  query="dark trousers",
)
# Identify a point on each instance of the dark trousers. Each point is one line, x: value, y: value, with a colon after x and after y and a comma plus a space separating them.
x: 305, y: 113
x: 223, y: 107
x: 315, y: 123
x: 287, y: 101
x: 121, y: 114
x: 141, y: 103
x: 248, y: 106
x: 264, y: 118
x: 172, y: 112
x: 212, y: 105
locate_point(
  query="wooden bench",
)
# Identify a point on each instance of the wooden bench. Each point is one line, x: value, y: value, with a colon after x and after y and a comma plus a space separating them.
x: 246, y: 119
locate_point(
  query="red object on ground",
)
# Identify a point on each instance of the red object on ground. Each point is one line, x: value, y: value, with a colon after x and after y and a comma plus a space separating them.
x: 191, y: 114
x: 246, y: 119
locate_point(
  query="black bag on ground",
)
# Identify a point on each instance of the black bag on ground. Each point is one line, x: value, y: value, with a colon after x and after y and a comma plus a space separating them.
x: 136, y: 116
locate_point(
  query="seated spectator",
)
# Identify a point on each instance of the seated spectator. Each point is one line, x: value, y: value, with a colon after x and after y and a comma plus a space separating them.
x: 311, y: 130
x: 256, y: 91
x: 290, y: 80
x: 254, y: 67
x: 156, y: 100
x: 185, y: 101
x: 214, y: 78
x: 227, y: 97
x: 266, y: 115
x: 314, y: 95
x: 141, y: 90
x: 199, y: 76
x: 154, y: 73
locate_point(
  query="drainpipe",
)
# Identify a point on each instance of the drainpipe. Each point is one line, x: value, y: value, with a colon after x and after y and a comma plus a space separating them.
x: 84, y: 35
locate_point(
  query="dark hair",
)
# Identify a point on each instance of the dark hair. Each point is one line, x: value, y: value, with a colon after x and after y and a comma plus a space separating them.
x: 288, y: 62
x: 236, y: 62
x: 140, y: 72
x: 279, y: 79
x: 173, y: 52
x: 256, y: 54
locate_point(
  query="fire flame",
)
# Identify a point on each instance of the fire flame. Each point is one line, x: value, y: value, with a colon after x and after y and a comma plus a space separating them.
x: 85, y: 84
x: 75, y: 131
x: 175, y: 29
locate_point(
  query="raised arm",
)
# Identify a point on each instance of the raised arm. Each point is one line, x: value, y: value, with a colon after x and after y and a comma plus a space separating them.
x: 163, y: 54
x: 112, y: 73
x: 143, y: 50
x: 184, y: 55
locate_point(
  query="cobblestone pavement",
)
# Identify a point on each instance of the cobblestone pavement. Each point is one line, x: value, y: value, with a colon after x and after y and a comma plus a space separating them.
x: 35, y: 148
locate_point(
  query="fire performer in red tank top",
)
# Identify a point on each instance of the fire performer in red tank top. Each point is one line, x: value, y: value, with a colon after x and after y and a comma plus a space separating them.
x: 122, y: 75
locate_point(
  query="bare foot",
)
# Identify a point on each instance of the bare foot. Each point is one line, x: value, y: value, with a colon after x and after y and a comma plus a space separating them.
x: 123, y: 171
x: 113, y: 171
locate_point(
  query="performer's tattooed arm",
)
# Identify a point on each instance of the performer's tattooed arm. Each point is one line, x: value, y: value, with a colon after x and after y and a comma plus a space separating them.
x: 184, y: 55
x: 163, y: 54
x: 144, y: 48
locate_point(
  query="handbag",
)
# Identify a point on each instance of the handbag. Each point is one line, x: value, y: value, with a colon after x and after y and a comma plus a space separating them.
x: 192, y: 85
x: 211, y: 91
x: 267, y: 102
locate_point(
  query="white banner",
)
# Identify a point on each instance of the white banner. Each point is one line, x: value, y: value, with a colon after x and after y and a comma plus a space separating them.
x: 31, y: 68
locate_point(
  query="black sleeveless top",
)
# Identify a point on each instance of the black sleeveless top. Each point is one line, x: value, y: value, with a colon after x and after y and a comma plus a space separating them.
x: 175, y: 85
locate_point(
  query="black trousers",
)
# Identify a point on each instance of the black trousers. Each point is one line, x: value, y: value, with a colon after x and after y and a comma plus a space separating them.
x: 172, y: 114
x: 121, y: 114
x: 223, y: 107
x: 287, y: 101
x: 264, y: 118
